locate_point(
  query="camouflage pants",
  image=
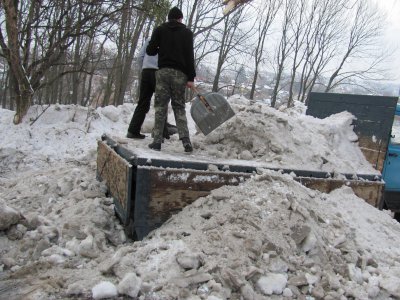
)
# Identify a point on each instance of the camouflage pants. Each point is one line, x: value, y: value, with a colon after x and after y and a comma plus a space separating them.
x: 170, y: 84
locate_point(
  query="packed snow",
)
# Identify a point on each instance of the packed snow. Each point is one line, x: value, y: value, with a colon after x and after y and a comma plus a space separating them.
x: 267, y: 238
x: 264, y: 136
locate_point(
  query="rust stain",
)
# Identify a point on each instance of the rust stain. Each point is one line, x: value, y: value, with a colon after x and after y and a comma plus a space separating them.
x: 170, y: 196
x: 114, y: 170
x: 370, y: 191
x: 374, y: 152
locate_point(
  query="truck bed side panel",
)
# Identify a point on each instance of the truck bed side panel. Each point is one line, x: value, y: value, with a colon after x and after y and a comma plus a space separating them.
x: 374, y: 119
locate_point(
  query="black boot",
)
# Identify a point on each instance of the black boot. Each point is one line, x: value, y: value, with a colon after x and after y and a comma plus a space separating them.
x: 155, y: 146
x: 131, y: 135
x: 187, y: 145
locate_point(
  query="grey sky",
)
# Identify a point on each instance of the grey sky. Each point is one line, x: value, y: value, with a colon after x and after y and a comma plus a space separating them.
x: 392, y: 32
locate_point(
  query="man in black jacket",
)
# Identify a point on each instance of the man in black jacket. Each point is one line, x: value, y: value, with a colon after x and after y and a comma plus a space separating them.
x: 173, y: 43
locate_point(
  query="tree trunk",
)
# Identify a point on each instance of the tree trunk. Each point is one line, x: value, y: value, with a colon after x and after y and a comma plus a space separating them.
x: 108, y: 88
x: 76, y: 78
x: 277, y: 83
x: 22, y: 87
x: 10, y: 93
x: 126, y: 70
x: 89, y: 91
x: 61, y: 91
x: 4, y: 91
x: 221, y: 58
x: 275, y: 91
x: 83, y: 88
x: 23, y: 101
x: 253, y: 85
x: 216, y: 78
x: 290, y: 99
x: 56, y: 92
x: 39, y: 96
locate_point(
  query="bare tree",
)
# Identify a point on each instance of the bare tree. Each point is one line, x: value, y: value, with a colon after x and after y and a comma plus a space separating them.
x: 362, y: 42
x: 4, y: 84
x: 56, y: 26
x: 320, y: 42
x: 302, y: 25
x: 285, y: 46
x: 203, y: 17
x: 76, y: 77
x: 95, y: 51
x: 232, y: 42
x: 265, y: 18
x: 129, y: 45
x: 203, y: 22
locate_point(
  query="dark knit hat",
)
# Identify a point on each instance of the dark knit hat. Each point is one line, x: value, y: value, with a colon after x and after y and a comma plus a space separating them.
x: 175, y: 14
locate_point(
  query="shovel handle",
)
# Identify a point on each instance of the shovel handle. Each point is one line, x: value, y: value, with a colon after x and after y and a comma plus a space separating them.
x: 202, y: 99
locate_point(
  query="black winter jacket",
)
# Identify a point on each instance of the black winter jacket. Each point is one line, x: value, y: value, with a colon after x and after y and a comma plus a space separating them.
x: 173, y: 43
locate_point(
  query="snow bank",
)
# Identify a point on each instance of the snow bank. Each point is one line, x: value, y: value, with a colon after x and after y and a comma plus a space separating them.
x: 261, y: 133
x: 267, y: 235
x: 266, y: 238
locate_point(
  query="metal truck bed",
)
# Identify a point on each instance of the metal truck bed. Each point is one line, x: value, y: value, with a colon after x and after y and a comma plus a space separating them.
x: 149, y: 187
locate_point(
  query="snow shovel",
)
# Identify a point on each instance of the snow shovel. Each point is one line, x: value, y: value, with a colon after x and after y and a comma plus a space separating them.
x: 210, y: 110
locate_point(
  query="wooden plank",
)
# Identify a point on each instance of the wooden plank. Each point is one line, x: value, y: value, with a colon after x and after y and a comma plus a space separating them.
x: 370, y: 191
x: 374, y: 151
x: 117, y: 174
x: 160, y: 192
x: 174, y: 189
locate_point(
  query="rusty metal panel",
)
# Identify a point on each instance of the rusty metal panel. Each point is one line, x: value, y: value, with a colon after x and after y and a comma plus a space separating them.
x: 117, y: 173
x: 370, y: 191
x: 161, y: 192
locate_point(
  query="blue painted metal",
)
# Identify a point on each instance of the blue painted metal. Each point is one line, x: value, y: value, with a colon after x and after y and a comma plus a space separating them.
x: 391, y: 171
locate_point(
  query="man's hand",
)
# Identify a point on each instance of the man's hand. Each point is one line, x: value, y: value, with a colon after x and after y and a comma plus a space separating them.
x: 190, y: 84
x: 232, y: 4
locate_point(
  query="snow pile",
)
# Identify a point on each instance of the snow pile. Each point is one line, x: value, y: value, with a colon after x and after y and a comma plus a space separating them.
x: 257, y: 133
x: 60, y: 133
x: 261, y: 133
x: 269, y: 236
x: 266, y: 238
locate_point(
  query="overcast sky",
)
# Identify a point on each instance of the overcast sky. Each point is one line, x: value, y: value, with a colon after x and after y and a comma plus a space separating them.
x: 392, y: 32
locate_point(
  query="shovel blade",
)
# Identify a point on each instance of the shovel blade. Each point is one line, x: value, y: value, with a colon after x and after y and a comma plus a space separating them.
x: 207, y: 121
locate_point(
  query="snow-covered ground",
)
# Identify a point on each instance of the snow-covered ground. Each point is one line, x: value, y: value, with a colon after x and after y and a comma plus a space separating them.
x: 267, y: 238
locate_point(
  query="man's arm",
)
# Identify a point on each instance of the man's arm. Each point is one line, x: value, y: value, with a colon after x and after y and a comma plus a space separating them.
x: 191, y: 72
x: 154, y: 43
x: 141, y: 55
